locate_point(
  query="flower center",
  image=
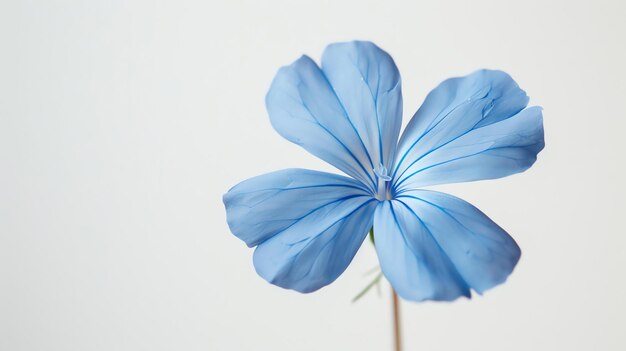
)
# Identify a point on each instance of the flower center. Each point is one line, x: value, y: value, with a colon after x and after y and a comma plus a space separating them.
x: 383, y: 193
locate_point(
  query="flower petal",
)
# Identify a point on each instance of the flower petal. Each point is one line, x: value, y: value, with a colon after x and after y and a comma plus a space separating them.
x: 308, y: 225
x: 263, y: 206
x: 348, y: 115
x: 367, y: 83
x: 469, y: 128
x: 482, y: 254
x: 411, y: 259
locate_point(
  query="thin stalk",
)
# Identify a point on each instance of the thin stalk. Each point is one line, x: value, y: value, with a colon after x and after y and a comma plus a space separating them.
x: 397, y: 335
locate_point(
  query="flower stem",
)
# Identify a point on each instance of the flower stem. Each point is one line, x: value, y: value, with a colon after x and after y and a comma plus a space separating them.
x: 397, y: 336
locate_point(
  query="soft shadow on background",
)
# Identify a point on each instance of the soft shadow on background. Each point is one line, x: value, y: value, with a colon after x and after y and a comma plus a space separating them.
x: 123, y: 123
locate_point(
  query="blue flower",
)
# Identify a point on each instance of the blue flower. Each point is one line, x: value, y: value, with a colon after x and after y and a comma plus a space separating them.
x: 307, y: 225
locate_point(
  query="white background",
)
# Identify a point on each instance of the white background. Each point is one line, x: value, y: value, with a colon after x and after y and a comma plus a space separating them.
x: 122, y: 123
